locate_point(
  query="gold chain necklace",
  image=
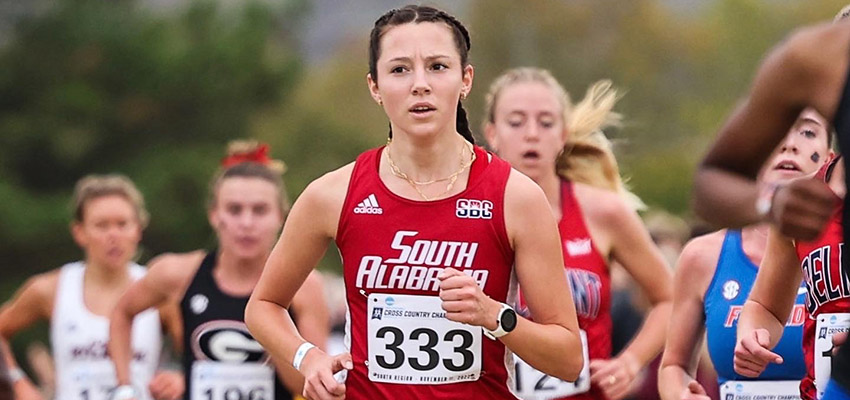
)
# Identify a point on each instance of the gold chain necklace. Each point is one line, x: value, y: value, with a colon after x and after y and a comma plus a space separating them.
x: 451, y: 178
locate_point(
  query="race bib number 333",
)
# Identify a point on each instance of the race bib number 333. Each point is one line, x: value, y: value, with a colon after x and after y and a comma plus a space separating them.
x: 412, y: 342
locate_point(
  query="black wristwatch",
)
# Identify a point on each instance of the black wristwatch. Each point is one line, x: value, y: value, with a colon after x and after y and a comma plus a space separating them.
x: 506, y: 322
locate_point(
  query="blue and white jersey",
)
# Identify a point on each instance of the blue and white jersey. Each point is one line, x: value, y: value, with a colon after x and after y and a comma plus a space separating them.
x: 724, y: 301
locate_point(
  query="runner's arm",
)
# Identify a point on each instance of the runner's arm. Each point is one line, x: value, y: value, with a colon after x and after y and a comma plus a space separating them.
x: 552, y: 343
x: 772, y: 298
x: 313, y: 322
x: 311, y: 310
x: 6, y: 392
x: 694, y: 270
x: 159, y: 287
x: 725, y: 190
x: 634, y: 250
x: 309, y: 228
x: 32, y: 302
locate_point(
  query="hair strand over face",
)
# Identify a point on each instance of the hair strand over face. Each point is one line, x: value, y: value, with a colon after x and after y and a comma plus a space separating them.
x: 587, y: 156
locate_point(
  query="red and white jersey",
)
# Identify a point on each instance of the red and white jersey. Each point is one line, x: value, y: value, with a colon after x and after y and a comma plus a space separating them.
x: 393, y: 249
x: 827, y: 299
x: 590, y: 281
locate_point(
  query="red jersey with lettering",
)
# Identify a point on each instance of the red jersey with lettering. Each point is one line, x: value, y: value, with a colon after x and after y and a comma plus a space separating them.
x: 393, y: 249
x: 827, y: 284
x: 590, y: 281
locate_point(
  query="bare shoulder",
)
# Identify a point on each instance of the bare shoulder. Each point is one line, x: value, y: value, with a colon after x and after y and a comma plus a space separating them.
x: 602, y: 205
x: 329, y: 189
x: 521, y: 189
x: 320, y: 204
x: 525, y: 207
x: 698, y: 261
x: 172, y: 272
x: 38, y: 293
x: 43, y: 286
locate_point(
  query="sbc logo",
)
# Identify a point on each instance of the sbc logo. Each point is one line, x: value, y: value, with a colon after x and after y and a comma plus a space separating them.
x: 474, y: 209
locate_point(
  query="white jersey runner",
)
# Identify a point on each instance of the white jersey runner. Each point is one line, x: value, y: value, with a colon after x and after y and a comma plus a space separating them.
x: 79, y: 338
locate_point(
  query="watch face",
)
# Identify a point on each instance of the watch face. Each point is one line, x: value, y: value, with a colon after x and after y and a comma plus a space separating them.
x: 508, y: 320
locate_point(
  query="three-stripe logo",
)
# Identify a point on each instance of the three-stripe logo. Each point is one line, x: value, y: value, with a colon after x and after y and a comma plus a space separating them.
x: 369, y: 205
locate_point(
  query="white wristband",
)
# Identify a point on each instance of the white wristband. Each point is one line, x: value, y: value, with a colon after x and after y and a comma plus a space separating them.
x: 16, y: 374
x: 124, y: 392
x: 764, y: 202
x: 300, y: 353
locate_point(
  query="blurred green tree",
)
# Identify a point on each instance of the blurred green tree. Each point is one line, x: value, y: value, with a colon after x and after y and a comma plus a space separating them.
x: 98, y: 87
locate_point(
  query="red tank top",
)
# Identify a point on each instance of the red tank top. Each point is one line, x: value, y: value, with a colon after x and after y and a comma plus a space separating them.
x: 828, y: 292
x: 393, y: 249
x: 590, y: 281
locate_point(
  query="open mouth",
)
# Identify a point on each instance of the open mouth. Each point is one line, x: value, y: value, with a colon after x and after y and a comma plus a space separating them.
x: 115, y: 252
x: 422, y: 108
x: 531, y: 155
x: 247, y: 241
x: 787, y: 166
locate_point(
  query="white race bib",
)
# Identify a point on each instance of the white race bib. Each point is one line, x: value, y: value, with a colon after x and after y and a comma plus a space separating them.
x: 761, y: 390
x: 828, y: 325
x: 412, y: 342
x: 212, y: 380
x: 531, y: 384
x: 97, y: 381
x: 92, y: 383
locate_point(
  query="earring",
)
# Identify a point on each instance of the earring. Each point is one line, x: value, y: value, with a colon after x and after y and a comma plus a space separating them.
x: 380, y: 102
x: 463, y: 95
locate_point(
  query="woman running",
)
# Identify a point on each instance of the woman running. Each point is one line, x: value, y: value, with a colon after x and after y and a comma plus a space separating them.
x: 808, y: 69
x: 716, y: 272
x: 433, y: 233
x: 532, y: 124
x: 817, y: 263
x: 108, y: 218
x: 209, y: 290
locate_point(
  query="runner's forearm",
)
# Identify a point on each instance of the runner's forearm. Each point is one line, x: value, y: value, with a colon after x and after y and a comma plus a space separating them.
x: 120, y: 326
x: 552, y: 349
x: 672, y: 381
x: 755, y: 316
x: 272, y: 327
x: 649, y: 341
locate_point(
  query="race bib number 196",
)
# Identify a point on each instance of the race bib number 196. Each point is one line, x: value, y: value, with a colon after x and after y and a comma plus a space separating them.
x: 828, y: 325
x: 412, y: 342
x: 213, y: 380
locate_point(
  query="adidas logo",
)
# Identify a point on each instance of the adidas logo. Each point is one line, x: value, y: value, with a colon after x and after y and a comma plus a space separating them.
x: 369, y: 205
